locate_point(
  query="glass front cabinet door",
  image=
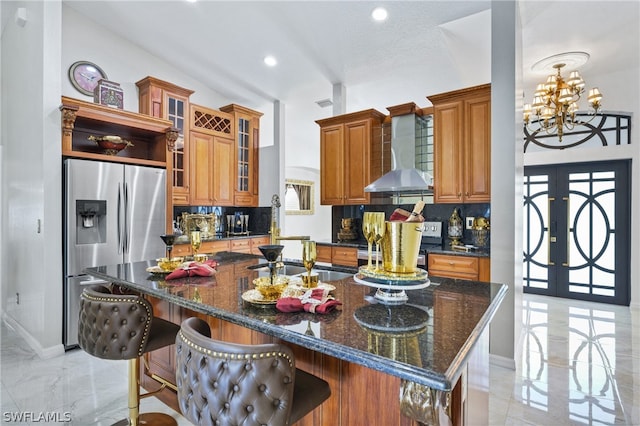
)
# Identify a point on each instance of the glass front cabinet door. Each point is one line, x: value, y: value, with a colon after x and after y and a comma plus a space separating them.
x: 166, y: 100
x: 246, y: 154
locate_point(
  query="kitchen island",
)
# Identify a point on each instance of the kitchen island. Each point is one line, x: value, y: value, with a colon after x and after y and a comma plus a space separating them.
x: 424, y: 361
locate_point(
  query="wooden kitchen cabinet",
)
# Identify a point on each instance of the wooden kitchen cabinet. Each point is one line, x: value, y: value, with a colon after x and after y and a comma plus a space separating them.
x: 463, y: 267
x: 345, y: 256
x: 462, y: 145
x: 150, y: 136
x: 350, y: 156
x: 259, y: 241
x: 246, y: 150
x: 161, y: 99
x: 212, y: 156
x: 323, y: 253
x: 241, y: 245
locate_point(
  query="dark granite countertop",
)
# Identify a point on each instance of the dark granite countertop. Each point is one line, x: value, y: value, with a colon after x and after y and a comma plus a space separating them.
x: 439, y: 325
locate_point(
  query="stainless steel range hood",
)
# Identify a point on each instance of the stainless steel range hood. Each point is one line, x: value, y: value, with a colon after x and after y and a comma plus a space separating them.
x: 404, y: 177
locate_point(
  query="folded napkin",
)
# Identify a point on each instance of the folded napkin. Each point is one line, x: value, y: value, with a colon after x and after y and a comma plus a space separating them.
x: 316, y: 301
x: 194, y: 269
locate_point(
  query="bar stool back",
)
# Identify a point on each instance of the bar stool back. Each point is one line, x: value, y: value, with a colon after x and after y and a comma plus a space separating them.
x: 231, y: 384
x: 114, y: 326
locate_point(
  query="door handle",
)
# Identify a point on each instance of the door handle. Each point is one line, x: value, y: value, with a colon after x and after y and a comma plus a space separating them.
x: 552, y: 239
x: 566, y: 264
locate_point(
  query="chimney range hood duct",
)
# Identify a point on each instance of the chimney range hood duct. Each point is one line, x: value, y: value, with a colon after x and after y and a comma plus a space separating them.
x: 404, y: 176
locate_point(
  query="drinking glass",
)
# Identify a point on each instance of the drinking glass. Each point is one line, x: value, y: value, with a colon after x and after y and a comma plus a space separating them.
x: 367, y: 231
x: 378, y: 230
x: 195, y: 242
x: 309, y: 256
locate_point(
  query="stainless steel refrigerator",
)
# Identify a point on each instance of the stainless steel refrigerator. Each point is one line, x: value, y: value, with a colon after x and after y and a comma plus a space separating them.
x: 113, y: 214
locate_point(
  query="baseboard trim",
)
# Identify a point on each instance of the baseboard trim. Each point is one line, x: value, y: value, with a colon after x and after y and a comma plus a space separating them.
x: 502, y: 361
x: 43, y: 353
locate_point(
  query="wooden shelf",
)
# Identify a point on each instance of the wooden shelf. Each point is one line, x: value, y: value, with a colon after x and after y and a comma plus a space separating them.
x: 152, y: 137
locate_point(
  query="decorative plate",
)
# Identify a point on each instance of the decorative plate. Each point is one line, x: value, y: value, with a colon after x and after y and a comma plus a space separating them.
x: 157, y: 270
x: 254, y: 297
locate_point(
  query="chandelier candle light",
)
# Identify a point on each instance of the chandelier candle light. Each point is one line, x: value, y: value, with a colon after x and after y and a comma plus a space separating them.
x: 555, y: 103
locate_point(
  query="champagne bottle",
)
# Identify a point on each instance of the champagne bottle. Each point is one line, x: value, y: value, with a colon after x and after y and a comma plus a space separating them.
x: 416, y: 214
x: 401, y: 215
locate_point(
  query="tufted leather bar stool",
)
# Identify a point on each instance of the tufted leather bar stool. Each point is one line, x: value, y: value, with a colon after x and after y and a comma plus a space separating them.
x: 116, y: 326
x: 223, y: 383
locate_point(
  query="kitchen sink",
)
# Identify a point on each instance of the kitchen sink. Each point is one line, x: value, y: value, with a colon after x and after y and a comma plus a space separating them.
x: 323, y: 274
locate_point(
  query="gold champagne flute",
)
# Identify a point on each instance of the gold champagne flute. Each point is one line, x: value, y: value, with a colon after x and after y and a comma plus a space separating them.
x: 309, y: 255
x: 379, y: 230
x: 367, y: 231
x: 195, y: 242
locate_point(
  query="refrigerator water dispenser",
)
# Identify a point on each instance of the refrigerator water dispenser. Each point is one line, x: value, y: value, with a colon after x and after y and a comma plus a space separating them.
x: 91, y: 223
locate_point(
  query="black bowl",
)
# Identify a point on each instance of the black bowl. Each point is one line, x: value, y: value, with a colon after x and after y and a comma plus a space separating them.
x: 271, y: 252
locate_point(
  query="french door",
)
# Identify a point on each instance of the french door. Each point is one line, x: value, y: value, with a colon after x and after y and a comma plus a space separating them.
x: 576, y: 225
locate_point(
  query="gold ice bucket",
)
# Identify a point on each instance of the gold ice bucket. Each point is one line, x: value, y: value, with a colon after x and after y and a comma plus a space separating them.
x: 401, y: 246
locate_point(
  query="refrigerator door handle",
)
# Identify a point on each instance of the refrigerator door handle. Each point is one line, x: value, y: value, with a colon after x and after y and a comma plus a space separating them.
x: 119, y: 209
x: 127, y: 233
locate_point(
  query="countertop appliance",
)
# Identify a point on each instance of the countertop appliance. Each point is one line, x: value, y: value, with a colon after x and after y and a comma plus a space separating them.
x: 113, y: 213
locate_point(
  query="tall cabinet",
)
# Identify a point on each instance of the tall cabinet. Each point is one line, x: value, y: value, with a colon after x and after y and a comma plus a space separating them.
x: 246, y: 154
x: 351, y: 157
x: 161, y: 99
x: 212, y: 157
x: 462, y: 145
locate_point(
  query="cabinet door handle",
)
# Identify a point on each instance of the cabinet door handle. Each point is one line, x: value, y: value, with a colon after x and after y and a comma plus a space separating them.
x: 459, y: 194
x: 466, y: 193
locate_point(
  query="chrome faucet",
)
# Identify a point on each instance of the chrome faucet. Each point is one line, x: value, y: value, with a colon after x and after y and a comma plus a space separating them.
x: 275, y: 229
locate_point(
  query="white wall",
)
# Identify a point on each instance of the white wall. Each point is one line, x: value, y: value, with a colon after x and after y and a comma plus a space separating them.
x: 506, y: 167
x: 32, y: 175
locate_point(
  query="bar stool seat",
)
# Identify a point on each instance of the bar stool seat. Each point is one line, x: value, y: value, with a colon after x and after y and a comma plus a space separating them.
x: 122, y: 327
x: 222, y: 383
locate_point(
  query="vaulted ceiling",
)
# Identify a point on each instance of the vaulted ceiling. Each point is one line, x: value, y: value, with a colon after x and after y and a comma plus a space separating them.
x: 425, y: 47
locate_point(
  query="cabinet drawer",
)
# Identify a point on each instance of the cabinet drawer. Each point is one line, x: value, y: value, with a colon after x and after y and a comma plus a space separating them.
x: 181, y: 250
x: 257, y: 242
x: 443, y: 265
x: 323, y: 253
x: 242, y: 245
x: 214, y: 246
x: 346, y: 256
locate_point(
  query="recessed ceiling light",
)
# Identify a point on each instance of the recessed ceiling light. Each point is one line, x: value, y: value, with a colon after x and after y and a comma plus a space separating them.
x: 379, y: 14
x: 270, y: 61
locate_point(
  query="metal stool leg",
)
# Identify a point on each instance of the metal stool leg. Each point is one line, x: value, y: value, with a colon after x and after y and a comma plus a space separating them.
x: 135, y: 418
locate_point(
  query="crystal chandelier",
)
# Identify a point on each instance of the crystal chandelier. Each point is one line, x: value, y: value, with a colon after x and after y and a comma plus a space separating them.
x: 555, y: 103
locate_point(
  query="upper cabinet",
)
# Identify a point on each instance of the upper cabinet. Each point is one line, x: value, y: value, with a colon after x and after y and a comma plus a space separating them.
x: 150, y: 138
x: 246, y: 154
x: 351, y: 157
x: 159, y: 98
x: 462, y: 145
x: 212, y: 157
